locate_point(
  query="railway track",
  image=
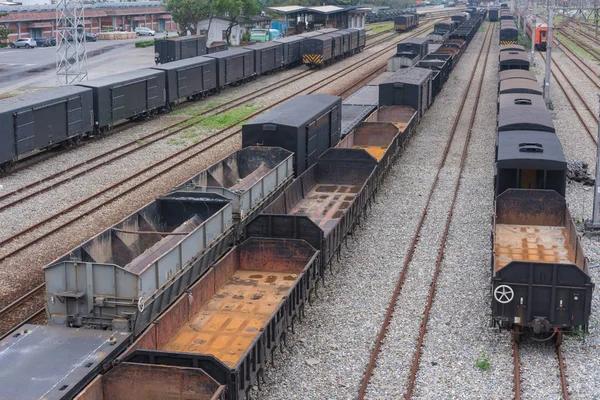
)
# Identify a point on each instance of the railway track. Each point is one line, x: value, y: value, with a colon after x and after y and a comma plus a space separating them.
x: 188, y: 154
x: 164, y: 133
x: 537, y: 357
x: 438, y: 182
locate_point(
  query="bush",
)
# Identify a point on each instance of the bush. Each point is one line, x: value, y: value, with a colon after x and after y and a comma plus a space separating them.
x: 144, y: 43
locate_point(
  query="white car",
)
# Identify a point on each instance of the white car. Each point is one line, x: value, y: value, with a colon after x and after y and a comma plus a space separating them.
x: 27, y: 43
x: 143, y: 31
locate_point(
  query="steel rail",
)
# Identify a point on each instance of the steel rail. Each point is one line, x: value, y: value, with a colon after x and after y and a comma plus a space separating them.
x: 415, y: 240
x: 516, y: 370
x: 563, y: 374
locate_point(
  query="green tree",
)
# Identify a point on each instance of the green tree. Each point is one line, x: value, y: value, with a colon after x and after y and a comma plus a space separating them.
x: 187, y: 13
x: 235, y: 11
x: 4, y: 32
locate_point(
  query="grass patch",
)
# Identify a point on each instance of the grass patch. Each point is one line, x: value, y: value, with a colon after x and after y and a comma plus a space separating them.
x: 228, y: 118
x: 144, y: 43
x: 483, y: 362
x: 198, y: 106
x: 574, y: 47
x: 380, y: 27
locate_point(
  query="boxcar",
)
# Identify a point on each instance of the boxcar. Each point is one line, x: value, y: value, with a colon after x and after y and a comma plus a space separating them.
x: 126, y: 276
x: 354, y: 34
x: 179, y: 48
x: 43, y: 119
x: 189, y: 78
x: 520, y: 85
x: 362, y: 37
x: 306, y: 125
x: 262, y: 285
x: 338, y: 44
x: 509, y: 34
x: 126, y: 95
x: 511, y: 47
x: 516, y: 74
x: 524, y: 116
x: 268, y: 56
x: 493, y: 14
x: 234, y: 65
x: 292, y: 49
x: 317, y: 50
x: 408, y: 87
x: 216, y: 47
x: 512, y: 99
x: 440, y: 70
x: 406, y: 22
x: 514, y: 60
x: 346, y: 41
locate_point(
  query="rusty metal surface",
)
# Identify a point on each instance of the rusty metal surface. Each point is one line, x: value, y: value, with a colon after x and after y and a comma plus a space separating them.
x: 530, y: 207
x: 93, y: 391
x: 132, y: 381
x: 516, y: 371
x: 563, y: 374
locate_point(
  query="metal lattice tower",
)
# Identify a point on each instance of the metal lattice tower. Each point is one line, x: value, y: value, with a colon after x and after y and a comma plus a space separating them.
x: 71, y: 56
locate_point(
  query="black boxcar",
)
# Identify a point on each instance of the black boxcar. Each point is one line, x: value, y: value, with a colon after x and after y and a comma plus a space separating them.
x: 406, y: 22
x: 179, y: 48
x: 187, y: 78
x: 520, y: 85
x: 310, y: 34
x: 511, y: 47
x: 512, y: 99
x: 268, y: 56
x: 514, y: 60
x: 493, y: 14
x: 317, y: 50
x: 524, y: 116
x: 362, y: 37
x: 445, y: 26
x: 353, y: 37
x: 338, y: 44
x: 306, y: 125
x: 440, y: 70
x: 408, y: 87
x: 126, y: 95
x: 38, y: 120
x: 509, y: 34
x: 418, y: 46
x: 233, y: 65
x: 346, y: 41
x: 215, y: 47
x: 292, y: 49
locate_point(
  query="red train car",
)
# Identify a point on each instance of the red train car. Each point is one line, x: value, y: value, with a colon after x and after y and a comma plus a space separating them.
x: 541, y: 33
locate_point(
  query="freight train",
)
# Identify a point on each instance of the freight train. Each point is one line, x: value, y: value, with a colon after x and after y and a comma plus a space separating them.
x: 62, y: 116
x: 325, y: 46
x: 509, y: 34
x: 406, y: 22
x: 540, y: 276
x: 191, y: 295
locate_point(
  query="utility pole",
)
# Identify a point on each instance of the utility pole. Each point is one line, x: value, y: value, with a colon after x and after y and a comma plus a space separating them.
x: 71, y: 57
x: 518, y: 17
x: 548, y: 58
x: 596, y: 18
x: 525, y: 20
x: 533, y: 32
x: 594, y: 225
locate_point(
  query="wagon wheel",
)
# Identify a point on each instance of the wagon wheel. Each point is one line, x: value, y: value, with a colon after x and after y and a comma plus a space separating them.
x: 504, y: 294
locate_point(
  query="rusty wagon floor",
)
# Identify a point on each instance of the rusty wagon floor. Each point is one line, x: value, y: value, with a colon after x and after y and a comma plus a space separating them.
x: 228, y: 323
x: 375, y: 151
x: 531, y: 243
x: 325, y: 204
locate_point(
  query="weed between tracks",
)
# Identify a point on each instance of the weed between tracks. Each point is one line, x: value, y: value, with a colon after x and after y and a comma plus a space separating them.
x: 581, y: 53
x: 483, y: 362
x: 380, y: 27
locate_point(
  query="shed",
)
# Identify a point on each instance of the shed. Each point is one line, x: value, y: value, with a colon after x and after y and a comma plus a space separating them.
x: 306, y: 125
x: 514, y: 60
x: 530, y: 160
x: 190, y: 77
x: 520, y: 85
x: 408, y: 87
x: 525, y: 117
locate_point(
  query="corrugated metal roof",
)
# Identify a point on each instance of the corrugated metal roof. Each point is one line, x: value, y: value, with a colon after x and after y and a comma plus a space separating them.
x: 297, y: 111
x: 287, y: 9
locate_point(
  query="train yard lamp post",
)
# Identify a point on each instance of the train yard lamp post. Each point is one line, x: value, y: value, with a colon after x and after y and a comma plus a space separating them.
x: 548, y: 58
x: 593, y: 226
x: 533, y: 31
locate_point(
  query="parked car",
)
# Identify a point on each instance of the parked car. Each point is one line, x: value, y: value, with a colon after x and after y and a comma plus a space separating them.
x: 27, y: 43
x: 143, y: 31
x: 46, y: 41
x: 91, y: 37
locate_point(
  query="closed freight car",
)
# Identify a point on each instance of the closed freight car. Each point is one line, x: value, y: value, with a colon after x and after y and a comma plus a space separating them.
x: 268, y: 56
x: 353, y: 46
x: 126, y: 276
x: 406, y: 22
x: 338, y: 44
x: 216, y: 47
x: 126, y: 95
x: 408, y: 87
x: 234, y: 66
x: 261, y: 285
x: 179, y: 48
x: 520, y: 85
x: 362, y: 37
x: 292, y: 49
x: 306, y: 125
x: 509, y: 34
x: 190, y: 78
x: 494, y: 14
x: 43, y: 119
x: 514, y: 60
x: 317, y: 50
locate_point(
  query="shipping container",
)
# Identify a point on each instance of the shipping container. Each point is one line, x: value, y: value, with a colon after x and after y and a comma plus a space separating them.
x: 292, y: 49
x: 261, y: 285
x: 126, y: 276
x: 234, y: 65
x: 305, y: 125
x: 179, y: 48
x: 268, y: 56
x: 39, y: 120
x: 189, y: 78
x: 250, y: 178
x: 55, y: 363
x: 126, y: 95
x: 323, y: 204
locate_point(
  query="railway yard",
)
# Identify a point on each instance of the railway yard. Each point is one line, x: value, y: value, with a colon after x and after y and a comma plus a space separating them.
x: 389, y: 299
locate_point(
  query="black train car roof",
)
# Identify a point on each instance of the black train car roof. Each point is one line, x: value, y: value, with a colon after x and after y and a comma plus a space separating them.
x: 229, y: 52
x: 516, y: 73
x: 297, y: 111
x: 514, y: 57
x: 525, y: 118
x: 36, y: 98
x: 119, y: 78
x: 519, y: 85
x: 513, y: 47
x: 188, y: 62
x: 511, y: 99
x: 530, y: 150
